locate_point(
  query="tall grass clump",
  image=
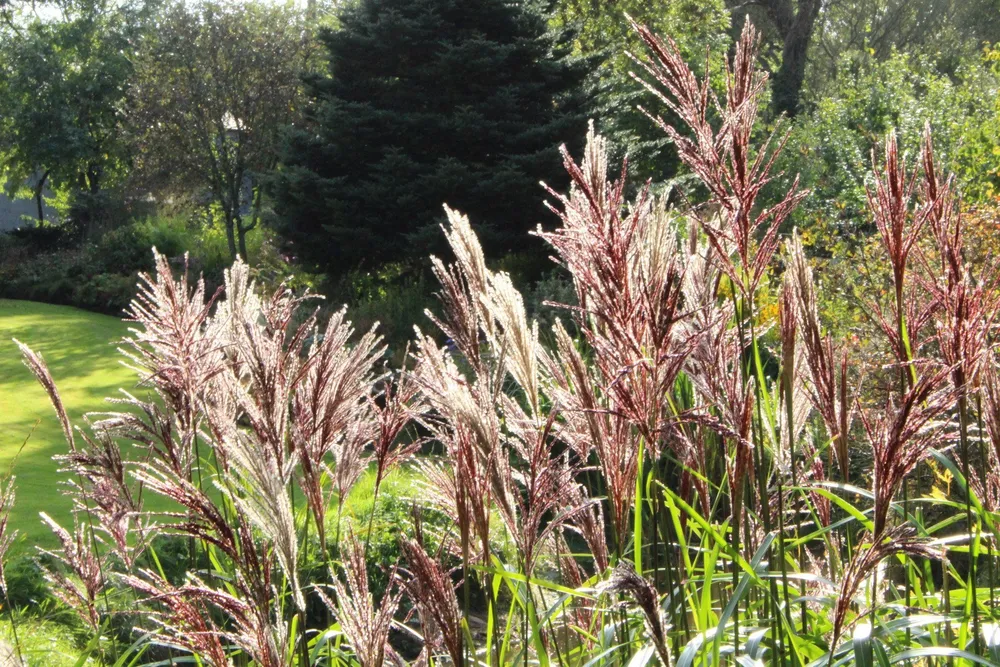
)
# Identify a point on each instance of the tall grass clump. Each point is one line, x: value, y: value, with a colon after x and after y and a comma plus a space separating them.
x: 687, y: 469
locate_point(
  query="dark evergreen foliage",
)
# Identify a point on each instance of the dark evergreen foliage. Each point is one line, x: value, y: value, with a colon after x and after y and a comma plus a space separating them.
x: 427, y: 102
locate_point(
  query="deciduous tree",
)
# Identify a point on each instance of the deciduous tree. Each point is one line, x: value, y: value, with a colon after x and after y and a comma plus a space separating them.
x: 213, y: 91
x: 64, y: 76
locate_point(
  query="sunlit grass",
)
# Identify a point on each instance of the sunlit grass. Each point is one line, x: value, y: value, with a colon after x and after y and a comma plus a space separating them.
x: 79, y: 349
x: 42, y: 643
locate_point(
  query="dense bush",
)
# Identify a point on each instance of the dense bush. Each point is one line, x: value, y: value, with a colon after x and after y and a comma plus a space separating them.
x: 48, y: 264
x: 830, y: 149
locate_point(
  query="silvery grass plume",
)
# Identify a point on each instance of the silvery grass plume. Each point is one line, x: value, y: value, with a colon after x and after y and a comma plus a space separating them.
x: 464, y: 413
x: 795, y: 367
x: 77, y: 555
x: 173, y: 353
x: 987, y: 478
x: 726, y: 403
x: 889, y: 203
x: 624, y: 579
x: 723, y: 159
x: 258, y: 485
x: 227, y: 380
x: 184, y: 617
x: 531, y: 475
x: 827, y: 366
x: 7, y: 535
x: 365, y: 624
x: 628, y: 278
x: 902, y: 434
x: 742, y: 234
x: 900, y: 228
x: 628, y: 275
x: 584, y: 426
x: 332, y: 412
x: 462, y: 488
x: 583, y: 614
x: 266, y: 364
x: 248, y: 600
x: 431, y: 589
x: 101, y: 489
x: 254, y: 468
x: 586, y: 518
x: 399, y: 405
x: 264, y: 356
x: 872, y: 550
x: 105, y: 491
x: 967, y: 303
x: 792, y: 377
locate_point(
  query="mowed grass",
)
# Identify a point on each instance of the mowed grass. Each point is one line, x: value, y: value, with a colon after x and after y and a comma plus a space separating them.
x: 80, y: 350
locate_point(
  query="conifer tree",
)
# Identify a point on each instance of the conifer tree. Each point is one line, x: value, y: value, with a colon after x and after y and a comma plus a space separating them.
x: 427, y: 102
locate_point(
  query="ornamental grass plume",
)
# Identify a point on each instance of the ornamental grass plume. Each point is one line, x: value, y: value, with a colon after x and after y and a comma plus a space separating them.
x: 965, y: 316
x: 624, y: 579
x: 78, y: 558
x: 901, y: 435
x: 100, y: 484
x: 237, y: 396
x: 400, y: 405
x: 628, y: 275
x: 7, y: 534
x: 173, y: 352
x: 36, y: 364
x: 331, y: 412
x: 248, y: 597
x: 365, y: 624
x: 104, y: 491
x: 889, y: 204
x: 828, y: 390
x: 723, y: 160
x: 483, y: 427
x: 987, y: 477
x: 186, y: 615
x: 793, y: 392
x: 714, y: 368
x: 258, y: 485
x: 470, y: 483
x: 867, y: 558
x: 743, y: 236
x: 184, y: 618
x: 431, y: 589
x: 900, y: 228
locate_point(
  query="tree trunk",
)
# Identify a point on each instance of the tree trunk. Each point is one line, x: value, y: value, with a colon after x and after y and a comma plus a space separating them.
x: 231, y: 234
x: 796, y: 29
x: 38, y: 197
x: 242, y: 238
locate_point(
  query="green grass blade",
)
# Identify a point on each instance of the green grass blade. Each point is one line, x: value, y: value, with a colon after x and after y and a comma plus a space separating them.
x: 862, y: 644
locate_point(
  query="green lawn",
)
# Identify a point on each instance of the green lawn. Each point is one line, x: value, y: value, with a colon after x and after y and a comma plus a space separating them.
x: 79, y: 348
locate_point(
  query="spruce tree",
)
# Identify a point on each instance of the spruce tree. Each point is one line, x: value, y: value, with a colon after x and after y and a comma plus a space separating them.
x: 427, y: 102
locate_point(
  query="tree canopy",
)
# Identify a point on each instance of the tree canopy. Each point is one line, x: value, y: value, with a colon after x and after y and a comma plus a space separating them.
x: 213, y: 90
x: 63, y: 85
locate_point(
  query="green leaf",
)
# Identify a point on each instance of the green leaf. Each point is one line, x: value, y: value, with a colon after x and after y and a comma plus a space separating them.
x: 637, y: 511
x: 862, y: 643
x: 938, y: 652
